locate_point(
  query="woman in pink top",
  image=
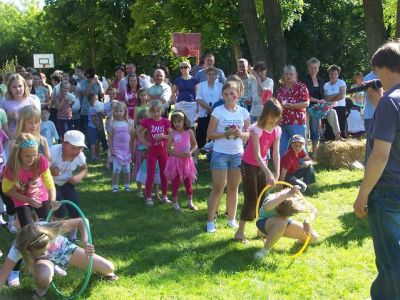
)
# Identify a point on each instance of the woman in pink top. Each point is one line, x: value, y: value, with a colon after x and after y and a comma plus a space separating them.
x: 131, y: 95
x: 180, y: 166
x: 264, y: 134
x: 17, y: 97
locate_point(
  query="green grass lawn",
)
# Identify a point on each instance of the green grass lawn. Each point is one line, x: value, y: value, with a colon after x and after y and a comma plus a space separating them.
x: 162, y: 254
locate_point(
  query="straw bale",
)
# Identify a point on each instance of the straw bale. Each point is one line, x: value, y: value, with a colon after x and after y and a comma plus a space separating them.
x: 340, y: 154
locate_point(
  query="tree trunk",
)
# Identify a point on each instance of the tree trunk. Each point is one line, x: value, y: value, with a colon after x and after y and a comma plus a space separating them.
x: 275, y: 38
x: 248, y: 16
x: 398, y: 20
x: 236, y: 51
x: 374, y: 26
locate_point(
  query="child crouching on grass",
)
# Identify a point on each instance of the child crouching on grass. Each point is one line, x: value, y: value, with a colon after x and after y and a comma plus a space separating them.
x: 43, y: 247
x: 274, y: 219
x: 296, y: 165
x: 65, y: 159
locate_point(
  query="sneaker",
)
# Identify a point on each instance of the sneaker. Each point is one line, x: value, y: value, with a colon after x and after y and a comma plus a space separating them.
x: 149, y: 202
x: 127, y: 190
x: 232, y: 224
x: 260, y: 254
x: 13, y: 279
x: 211, y: 227
x: 114, y: 190
x: 1, y: 253
x: 176, y: 206
x: 165, y: 200
x: 11, y: 228
x: 140, y: 194
x: 2, y: 222
x: 59, y: 271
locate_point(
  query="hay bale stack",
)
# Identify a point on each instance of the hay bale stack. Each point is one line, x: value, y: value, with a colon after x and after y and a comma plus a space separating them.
x: 340, y: 154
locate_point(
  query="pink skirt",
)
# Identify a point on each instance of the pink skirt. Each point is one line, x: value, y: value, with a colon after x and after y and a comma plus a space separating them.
x: 180, y: 166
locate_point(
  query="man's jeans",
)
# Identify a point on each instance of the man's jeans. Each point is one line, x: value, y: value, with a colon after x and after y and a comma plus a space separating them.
x: 384, y: 221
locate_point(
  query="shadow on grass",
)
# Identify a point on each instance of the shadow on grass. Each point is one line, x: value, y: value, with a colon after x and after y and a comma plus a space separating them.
x: 315, y: 189
x: 354, y: 230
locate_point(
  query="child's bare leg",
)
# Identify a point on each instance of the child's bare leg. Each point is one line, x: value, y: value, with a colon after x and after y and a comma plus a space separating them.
x: 275, y: 228
x: 295, y: 230
x: 100, y: 265
x: 114, y: 181
x: 127, y: 180
x: 43, y: 272
x: 232, y: 187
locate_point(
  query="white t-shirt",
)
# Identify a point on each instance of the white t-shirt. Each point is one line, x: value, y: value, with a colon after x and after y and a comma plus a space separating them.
x: 66, y: 167
x: 257, y: 106
x: 354, y: 122
x: 225, y: 119
x: 209, y: 95
x: 334, y: 89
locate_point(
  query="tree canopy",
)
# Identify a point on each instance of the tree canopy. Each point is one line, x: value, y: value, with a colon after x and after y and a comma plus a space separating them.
x: 104, y: 33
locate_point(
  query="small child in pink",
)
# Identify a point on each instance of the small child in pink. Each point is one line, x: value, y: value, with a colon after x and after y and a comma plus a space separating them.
x: 157, y: 129
x: 28, y: 181
x: 180, y: 166
x: 264, y: 134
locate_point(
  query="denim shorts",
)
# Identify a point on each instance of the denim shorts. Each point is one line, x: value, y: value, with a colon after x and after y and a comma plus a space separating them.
x: 92, y: 136
x: 261, y: 224
x: 222, y: 161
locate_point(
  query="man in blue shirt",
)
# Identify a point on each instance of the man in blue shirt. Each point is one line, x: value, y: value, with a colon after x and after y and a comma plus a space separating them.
x: 209, y: 61
x: 379, y: 194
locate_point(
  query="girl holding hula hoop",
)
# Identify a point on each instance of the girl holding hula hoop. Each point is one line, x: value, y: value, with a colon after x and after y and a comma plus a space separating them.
x: 274, y: 219
x: 42, y: 246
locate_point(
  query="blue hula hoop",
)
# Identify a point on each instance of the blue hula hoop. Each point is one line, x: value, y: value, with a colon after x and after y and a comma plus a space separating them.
x: 90, y: 263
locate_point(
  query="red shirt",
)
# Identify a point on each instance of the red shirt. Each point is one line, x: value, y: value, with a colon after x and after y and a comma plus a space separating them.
x: 290, y: 161
x: 296, y: 94
x: 156, y: 127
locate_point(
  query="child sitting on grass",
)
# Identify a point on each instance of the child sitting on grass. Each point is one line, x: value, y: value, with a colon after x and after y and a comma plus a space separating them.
x: 274, y: 219
x: 296, y: 165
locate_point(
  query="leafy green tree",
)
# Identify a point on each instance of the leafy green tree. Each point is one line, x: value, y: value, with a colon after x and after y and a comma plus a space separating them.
x: 90, y: 33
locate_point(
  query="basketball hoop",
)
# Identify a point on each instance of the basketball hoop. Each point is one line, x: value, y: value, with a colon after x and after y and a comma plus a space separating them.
x: 186, y: 45
x: 43, y: 61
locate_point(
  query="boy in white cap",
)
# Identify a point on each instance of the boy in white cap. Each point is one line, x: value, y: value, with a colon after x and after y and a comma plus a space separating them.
x: 296, y: 165
x: 66, y: 158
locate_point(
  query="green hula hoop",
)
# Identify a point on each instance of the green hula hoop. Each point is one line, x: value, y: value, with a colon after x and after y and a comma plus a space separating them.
x: 90, y: 264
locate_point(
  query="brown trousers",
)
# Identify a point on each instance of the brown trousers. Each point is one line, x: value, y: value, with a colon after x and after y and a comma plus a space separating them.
x: 254, y: 180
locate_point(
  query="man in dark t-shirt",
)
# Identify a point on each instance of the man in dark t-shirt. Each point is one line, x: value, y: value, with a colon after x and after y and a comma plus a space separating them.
x: 379, y: 195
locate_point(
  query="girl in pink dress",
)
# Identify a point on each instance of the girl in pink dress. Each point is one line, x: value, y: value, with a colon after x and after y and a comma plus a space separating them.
x: 120, y: 142
x: 180, y: 166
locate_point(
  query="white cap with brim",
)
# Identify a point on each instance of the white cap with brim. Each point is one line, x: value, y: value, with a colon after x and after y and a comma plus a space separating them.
x: 75, y: 138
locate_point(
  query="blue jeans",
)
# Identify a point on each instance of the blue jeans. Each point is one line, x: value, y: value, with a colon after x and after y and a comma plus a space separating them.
x: 314, y: 128
x: 384, y: 222
x: 287, y: 132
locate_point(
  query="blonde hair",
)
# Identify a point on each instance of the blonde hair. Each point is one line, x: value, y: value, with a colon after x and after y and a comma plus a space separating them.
x: 17, y: 77
x: 119, y: 105
x: 155, y: 104
x: 28, y: 112
x: 36, y: 237
x: 236, y: 83
x: 14, y: 161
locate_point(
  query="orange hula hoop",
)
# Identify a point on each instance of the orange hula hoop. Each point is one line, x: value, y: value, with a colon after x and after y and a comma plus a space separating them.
x: 268, y: 187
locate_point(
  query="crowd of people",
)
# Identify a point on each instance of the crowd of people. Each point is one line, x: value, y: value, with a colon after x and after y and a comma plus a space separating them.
x: 46, y: 128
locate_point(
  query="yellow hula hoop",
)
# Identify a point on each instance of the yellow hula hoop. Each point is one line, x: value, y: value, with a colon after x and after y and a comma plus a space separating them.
x: 268, y: 187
